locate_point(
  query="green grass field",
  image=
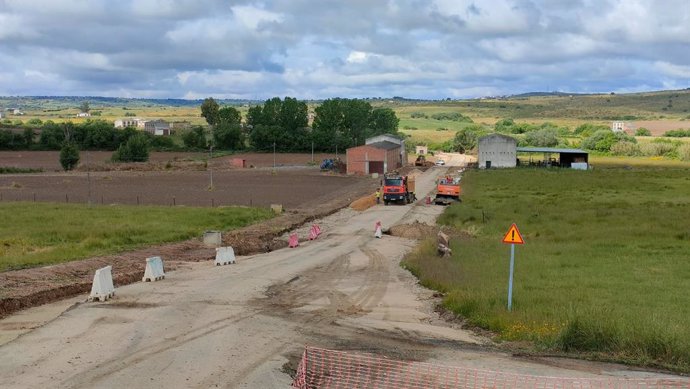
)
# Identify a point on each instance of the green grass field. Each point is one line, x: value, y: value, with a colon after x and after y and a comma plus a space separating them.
x: 605, y: 269
x: 37, y: 234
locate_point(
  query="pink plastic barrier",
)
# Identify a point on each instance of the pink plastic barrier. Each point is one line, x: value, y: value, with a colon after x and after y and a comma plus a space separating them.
x: 293, y: 241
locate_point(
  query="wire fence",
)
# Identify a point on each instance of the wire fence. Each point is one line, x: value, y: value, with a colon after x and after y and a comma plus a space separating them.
x: 329, y: 369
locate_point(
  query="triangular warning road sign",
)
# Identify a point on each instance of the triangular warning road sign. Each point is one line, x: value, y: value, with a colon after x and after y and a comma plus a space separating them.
x: 513, y: 236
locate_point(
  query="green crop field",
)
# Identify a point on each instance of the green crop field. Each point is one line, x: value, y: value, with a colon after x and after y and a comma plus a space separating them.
x: 30, y: 235
x: 605, y: 269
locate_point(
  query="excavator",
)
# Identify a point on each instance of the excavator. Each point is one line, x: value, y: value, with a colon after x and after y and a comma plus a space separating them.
x: 447, y: 190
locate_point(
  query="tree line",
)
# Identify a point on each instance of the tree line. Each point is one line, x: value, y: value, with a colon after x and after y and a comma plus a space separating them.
x: 283, y: 125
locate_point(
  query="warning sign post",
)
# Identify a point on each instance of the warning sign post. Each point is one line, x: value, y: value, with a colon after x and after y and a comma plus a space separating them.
x: 512, y: 237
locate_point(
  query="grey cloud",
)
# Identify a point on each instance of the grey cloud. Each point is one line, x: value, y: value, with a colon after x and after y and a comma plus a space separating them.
x: 430, y: 49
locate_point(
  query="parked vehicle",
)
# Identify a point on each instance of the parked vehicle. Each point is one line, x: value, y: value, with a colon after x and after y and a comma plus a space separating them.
x: 440, y: 162
x: 398, y: 189
x: 448, y: 190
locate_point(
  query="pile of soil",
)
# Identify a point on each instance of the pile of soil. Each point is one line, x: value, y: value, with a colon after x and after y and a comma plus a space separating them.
x: 415, y: 230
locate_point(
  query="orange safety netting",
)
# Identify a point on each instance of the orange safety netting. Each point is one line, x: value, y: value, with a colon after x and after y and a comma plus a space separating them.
x: 329, y: 369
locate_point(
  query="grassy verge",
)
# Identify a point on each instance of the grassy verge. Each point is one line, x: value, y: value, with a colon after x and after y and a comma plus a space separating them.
x: 37, y: 234
x: 604, y: 271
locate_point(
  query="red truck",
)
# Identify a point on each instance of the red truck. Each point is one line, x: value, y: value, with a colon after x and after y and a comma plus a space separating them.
x: 398, y: 189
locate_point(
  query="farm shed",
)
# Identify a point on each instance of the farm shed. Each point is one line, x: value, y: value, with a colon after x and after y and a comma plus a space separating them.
x: 379, y: 157
x: 497, y: 150
x: 392, y: 139
x: 570, y: 158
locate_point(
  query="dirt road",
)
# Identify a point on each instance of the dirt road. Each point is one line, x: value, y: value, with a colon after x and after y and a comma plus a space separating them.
x: 244, y: 325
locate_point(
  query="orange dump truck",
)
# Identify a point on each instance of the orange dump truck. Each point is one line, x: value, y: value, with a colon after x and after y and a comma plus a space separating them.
x: 398, y: 189
x: 447, y: 190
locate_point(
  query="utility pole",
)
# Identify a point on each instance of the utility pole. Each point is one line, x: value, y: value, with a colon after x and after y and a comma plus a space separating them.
x: 210, y: 161
x: 88, y: 175
x: 274, y: 155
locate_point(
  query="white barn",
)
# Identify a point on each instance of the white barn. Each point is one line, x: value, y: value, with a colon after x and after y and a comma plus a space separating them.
x: 497, y: 150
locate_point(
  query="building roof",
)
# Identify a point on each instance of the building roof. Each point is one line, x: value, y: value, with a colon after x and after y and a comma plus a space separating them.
x: 550, y: 150
x: 497, y: 135
x: 386, y: 145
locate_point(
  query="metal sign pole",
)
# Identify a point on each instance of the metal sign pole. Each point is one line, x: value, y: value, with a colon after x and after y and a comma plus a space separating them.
x: 510, y: 282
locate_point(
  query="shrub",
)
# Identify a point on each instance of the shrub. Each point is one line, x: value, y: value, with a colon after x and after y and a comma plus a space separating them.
x: 677, y: 133
x: 69, y: 156
x: 625, y: 148
x: 684, y: 152
x: 136, y: 149
x: 588, y: 129
x: 657, y: 149
x: 602, y: 140
x: 416, y: 115
x: 542, y: 138
x: 643, y: 132
x: 195, y: 138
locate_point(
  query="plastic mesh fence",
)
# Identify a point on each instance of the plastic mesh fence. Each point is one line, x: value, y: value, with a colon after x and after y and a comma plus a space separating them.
x: 321, y: 369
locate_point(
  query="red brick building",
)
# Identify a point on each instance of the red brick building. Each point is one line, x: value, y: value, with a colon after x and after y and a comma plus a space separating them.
x: 378, y: 157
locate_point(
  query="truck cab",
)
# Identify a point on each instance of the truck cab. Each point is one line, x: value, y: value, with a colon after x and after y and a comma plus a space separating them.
x: 398, y: 189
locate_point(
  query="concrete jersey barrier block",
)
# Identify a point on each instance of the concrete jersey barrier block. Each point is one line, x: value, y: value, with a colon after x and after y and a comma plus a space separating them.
x: 102, y: 287
x: 154, y: 269
x: 225, y: 256
x: 213, y: 239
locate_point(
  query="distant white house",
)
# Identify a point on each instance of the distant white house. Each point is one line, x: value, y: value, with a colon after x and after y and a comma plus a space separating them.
x: 620, y: 127
x: 17, y: 112
x: 2, y: 115
x: 83, y: 115
x: 127, y: 122
x: 157, y: 127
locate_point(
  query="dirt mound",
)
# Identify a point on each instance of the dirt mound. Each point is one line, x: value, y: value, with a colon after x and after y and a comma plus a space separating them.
x: 363, y: 203
x: 415, y: 230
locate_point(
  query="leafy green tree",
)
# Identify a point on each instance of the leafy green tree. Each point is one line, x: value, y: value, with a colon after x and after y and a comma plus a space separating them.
x: 466, y: 138
x: 281, y: 122
x: 84, y: 107
x: 195, y: 138
x: 329, y: 125
x: 383, y: 121
x: 136, y: 149
x: 28, y: 136
x: 9, y: 140
x: 228, y: 136
x: 229, y: 115
x: 209, y: 110
x: 69, y: 156
x: 52, y: 137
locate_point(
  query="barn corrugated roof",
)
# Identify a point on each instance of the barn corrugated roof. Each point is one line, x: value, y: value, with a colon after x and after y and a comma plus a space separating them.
x: 386, y: 145
x: 549, y: 150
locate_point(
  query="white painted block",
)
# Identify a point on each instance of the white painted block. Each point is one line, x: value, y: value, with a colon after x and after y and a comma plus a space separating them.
x: 154, y: 269
x: 225, y: 255
x: 102, y: 287
x: 213, y: 238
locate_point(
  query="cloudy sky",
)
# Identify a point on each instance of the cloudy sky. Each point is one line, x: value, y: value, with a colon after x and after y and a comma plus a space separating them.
x: 352, y: 48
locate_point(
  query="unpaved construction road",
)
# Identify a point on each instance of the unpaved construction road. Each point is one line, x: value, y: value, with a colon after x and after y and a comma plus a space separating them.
x: 245, y: 325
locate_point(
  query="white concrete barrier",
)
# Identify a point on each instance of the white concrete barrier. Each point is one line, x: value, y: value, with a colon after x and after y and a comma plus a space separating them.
x: 102, y: 287
x: 213, y: 239
x: 225, y: 255
x: 154, y: 269
x: 378, y: 233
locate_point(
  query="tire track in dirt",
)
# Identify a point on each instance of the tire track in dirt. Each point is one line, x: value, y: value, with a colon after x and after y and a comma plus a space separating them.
x: 132, y: 357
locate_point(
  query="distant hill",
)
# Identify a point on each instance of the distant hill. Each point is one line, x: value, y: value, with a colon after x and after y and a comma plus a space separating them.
x: 61, y: 102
